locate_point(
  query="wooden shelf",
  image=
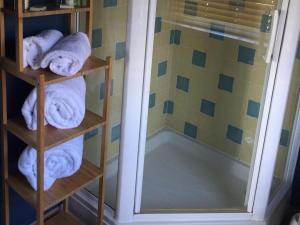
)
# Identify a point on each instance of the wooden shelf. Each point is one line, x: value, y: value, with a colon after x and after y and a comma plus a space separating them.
x: 63, y: 218
x: 49, y: 137
x: 61, y: 189
x: 53, y: 136
x: 50, y: 11
x: 29, y: 75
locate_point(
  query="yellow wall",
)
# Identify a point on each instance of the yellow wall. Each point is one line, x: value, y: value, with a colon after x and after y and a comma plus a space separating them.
x: 109, y: 29
x: 230, y: 108
x: 109, y: 36
x: 237, y: 108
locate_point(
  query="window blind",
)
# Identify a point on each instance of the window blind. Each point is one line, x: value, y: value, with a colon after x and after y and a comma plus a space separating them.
x: 240, y: 19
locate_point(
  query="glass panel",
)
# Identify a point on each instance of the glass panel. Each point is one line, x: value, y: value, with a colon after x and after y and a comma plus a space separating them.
x: 284, y: 147
x: 206, y: 93
x: 109, y: 37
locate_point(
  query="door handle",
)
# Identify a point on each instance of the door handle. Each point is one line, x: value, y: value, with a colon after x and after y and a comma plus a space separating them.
x: 270, y: 48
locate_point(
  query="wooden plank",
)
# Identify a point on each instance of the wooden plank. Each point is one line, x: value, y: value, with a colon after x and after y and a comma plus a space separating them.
x: 104, y: 139
x: 63, y: 218
x: 66, y: 205
x: 91, y: 65
x: 3, y: 131
x: 89, y: 20
x: 4, y: 150
x: 11, y: 67
x: 54, y: 136
x: 19, y: 35
x: 19, y: 43
x: 40, y: 134
x: 71, y: 23
x: 61, y: 189
x: 2, y: 30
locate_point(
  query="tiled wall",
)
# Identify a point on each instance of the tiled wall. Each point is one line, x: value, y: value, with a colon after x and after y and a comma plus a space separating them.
x: 203, y: 85
x: 109, y: 36
x: 207, y: 86
x: 159, y: 107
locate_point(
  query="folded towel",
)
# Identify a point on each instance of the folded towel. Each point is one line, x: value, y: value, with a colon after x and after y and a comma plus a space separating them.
x: 64, y: 105
x: 68, y: 55
x: 61, y: 161
x: 34, y: 47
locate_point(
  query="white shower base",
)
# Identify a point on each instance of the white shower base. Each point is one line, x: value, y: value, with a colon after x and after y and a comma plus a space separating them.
x: 182, y: 174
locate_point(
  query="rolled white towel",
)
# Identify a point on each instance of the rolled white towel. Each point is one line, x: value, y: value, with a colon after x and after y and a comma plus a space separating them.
x: 68, y: 55
x: 296, y: 219
x: 64, y: 105
x: 34, y: 47
x: 59, y: 162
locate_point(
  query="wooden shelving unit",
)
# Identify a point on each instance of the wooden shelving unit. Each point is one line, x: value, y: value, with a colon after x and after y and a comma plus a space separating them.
x: 46, y: 137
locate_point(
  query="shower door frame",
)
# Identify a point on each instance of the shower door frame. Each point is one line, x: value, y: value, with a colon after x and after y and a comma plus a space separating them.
x: 133, y: 132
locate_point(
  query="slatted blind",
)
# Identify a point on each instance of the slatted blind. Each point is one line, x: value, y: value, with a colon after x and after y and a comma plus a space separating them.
x: 243, y: 19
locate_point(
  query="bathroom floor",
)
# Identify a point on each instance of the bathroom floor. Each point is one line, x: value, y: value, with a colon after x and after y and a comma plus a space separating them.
x: 177, y: 178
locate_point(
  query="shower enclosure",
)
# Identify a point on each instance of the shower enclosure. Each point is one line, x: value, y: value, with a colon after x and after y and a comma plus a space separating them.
x: 209, y: 125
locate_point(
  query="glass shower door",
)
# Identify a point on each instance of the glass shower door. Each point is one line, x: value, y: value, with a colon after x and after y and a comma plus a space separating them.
x: 109, y: 38
x: 285, y: 147
x: 210, y: 70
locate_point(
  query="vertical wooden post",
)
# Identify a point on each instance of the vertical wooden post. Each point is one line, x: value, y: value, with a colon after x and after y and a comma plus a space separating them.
x: 4, y: 150
x: 71, y: 29
x: 19, y: 35
x: 40, y: 149
x: 71, y: 23
x: 4, y: 147
x: 66, y: 205
x: 2, y: 30
x: 89, y: 20
x: 104, y: 139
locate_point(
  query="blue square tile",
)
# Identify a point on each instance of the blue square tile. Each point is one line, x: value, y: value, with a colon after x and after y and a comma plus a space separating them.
x: 284, y: 138
x: 246, y: 55
x: 253, y: 108
x: 110, y: 3
x: 97, y: 38
x: 217, y: 31
x: 207, y: 107
x: 102, y: 89
x: 120, y: 50
x: 175, y: 36
x: 168, y: 107
x: 90, y: 134
x: 162, y: 68
x: 190, y: 130
x: 225, y: 82
x: 115, y: 133
x: 266, y: 21
x: 234, y: 134
x: 152, y: 100
x: 199, y: 58
x: 182, y: 83
x: 298, y: 51
x: 158, y: 24
x: 190, y: 8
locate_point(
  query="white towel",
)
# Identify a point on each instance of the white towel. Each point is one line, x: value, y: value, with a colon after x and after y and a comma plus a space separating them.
x: 64, y: 105
x: 296, y: 219
x: 34, y: 47
x: 61, y: 161
x: 68, y: 55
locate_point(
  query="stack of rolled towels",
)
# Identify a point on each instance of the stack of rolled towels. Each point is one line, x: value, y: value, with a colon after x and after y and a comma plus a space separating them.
x: 64, y: 102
